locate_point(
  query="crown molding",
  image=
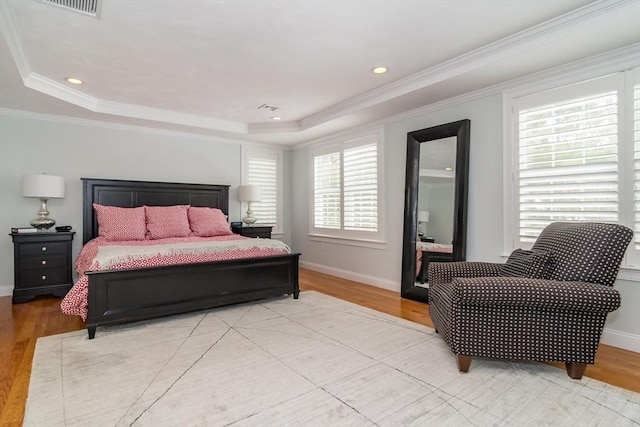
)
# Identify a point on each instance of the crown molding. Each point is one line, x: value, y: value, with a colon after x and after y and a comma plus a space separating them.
x: 524, y: 40
x: 134, y: 128
x: 60, y: 91
x: 10, y: 34
x: 280, y: 127
x: 613, y: 61
x: 490, y: 53
x: 114, y: 126
x: 165, y: 116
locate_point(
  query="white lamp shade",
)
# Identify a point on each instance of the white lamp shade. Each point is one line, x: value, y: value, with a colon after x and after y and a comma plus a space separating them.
x: 249, y: 193
x: 423, y: 216
x: 46, y: 186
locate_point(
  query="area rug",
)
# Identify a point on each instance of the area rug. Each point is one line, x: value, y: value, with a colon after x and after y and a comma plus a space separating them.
x: 315, y: 361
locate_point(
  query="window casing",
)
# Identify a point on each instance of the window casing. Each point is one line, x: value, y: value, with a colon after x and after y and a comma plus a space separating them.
x: 575, y: 157
x: 263, y: 168
x: 346, y: 190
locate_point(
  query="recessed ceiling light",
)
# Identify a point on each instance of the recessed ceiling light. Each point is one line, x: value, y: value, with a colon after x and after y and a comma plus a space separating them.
x: 276, y: 118
x: 74, y: 81
x: 448, y: 168
x: 379, y: 70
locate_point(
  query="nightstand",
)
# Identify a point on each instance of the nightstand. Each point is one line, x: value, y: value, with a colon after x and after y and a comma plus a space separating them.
x: 42, y: 264
x: 264, y: 232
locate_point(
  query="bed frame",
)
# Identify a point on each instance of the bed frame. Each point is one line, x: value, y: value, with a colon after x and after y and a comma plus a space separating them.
x: 117, y: 296
x: 427, y: 257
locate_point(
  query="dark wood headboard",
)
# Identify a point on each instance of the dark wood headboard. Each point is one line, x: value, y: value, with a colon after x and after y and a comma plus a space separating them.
x: 131, y: 194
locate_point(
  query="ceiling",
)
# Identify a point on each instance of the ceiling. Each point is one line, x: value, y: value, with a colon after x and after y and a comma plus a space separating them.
x: 205, y: 67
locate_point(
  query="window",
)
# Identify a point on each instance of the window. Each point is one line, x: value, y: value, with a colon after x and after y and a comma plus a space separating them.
x: 346, y: 190
x: 263, y: 168
x: 576, y: 157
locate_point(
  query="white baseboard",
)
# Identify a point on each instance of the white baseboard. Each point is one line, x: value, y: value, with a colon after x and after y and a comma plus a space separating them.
x: 350, y: 275
x: 610, y: 337
x: 620, y: 339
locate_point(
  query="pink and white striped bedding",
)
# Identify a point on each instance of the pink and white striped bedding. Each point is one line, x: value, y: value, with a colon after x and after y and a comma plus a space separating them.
x: 101, y: 254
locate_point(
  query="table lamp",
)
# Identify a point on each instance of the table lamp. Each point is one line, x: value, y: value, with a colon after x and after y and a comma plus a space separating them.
x: 249, y: 194
x: 44, y: 187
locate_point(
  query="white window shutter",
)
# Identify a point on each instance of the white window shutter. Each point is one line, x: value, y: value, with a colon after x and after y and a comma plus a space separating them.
x: 262, y: 167
x: 327, y: 191
x: 636, y: 161
x: 263, y: 172
x: 568, y: 162
x: 361, y: 188
x: 346, y: 186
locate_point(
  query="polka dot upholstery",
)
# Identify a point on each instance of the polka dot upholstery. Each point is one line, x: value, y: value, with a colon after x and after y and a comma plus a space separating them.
x: 559, y: 318
x: 584, y: 251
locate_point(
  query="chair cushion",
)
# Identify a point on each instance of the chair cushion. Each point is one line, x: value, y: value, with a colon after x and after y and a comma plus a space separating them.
x: 523, y: 263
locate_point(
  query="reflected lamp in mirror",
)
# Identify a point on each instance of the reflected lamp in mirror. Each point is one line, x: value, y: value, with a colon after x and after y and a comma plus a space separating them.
x: 423, y: 219
x: 249, y: 194
x: 44, y: 187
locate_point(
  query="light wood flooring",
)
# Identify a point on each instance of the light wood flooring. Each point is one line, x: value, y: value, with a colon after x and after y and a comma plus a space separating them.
x: 22, y: 324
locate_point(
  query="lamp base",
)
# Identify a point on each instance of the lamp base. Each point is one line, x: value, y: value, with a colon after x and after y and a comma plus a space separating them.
x: 249, y: 219
x: 43, y: 222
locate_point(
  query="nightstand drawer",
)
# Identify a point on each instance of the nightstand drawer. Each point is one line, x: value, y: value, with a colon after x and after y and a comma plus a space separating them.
x: 35, y: 278
x: 45, y: 261
x: 260, y: 231
x: 42, y: 248
x: 42, y: 264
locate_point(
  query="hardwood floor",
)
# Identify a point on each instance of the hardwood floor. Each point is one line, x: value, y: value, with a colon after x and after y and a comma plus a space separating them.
x: 22, y: 324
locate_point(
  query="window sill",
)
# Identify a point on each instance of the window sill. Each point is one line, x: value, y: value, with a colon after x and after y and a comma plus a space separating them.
x: 630, y: 274
x: 372, y: 244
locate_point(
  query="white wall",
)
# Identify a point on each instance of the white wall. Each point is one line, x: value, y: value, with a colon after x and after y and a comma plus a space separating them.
x: 382, y: 267
x: 438, y: 200
x: 75, y: 151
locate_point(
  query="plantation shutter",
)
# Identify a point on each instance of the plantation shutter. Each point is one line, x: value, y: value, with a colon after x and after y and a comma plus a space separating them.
x: 636, y: 160
x: 326, y: 191
x: 568, y: 162
x: 262, y: 171
x: 361, y: 188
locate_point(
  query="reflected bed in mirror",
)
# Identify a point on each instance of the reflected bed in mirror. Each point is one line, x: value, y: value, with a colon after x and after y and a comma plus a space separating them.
x: 435, y: 208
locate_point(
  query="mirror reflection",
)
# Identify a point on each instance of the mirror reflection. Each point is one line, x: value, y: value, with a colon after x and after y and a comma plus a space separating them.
x: 436, y: 192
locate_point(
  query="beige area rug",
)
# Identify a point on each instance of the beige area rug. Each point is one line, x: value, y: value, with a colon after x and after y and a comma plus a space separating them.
x: 316, y: 361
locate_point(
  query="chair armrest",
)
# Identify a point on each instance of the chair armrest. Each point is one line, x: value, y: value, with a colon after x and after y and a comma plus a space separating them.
x: 541, y: 293
x: 444, y: 272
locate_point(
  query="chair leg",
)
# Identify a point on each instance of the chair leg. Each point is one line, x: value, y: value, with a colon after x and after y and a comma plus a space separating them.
x: 576, y: 370
x: 463, y: 363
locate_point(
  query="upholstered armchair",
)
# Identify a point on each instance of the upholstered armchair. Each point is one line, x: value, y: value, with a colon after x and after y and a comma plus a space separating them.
x: 546, y: 304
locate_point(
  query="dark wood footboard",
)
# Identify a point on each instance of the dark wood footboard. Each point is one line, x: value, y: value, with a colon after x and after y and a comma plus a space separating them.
x: 428, y: 257
x: 117, y: 296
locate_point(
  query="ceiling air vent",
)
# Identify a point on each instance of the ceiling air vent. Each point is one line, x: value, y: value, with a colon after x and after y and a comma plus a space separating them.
x: 86, y: 7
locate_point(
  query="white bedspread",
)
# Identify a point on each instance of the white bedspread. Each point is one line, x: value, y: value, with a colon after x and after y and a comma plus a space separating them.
x: 109, y: 256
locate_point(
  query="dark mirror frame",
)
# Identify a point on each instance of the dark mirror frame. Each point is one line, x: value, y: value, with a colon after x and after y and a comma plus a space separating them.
x: 459, y: 129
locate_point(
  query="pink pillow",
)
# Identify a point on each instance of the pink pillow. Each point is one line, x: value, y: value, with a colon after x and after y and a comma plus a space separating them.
x: 167, y: 221
x: 120, y: 224
x: 208, y: 222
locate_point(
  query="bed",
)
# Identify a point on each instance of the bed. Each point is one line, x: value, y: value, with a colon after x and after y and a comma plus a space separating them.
x: 117, y: 296
x: 427, y: 252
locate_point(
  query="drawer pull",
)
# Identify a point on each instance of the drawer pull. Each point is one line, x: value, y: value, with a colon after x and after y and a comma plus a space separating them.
x: 44, y: 262
x: 44, y: 277
x: 44, y: 249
